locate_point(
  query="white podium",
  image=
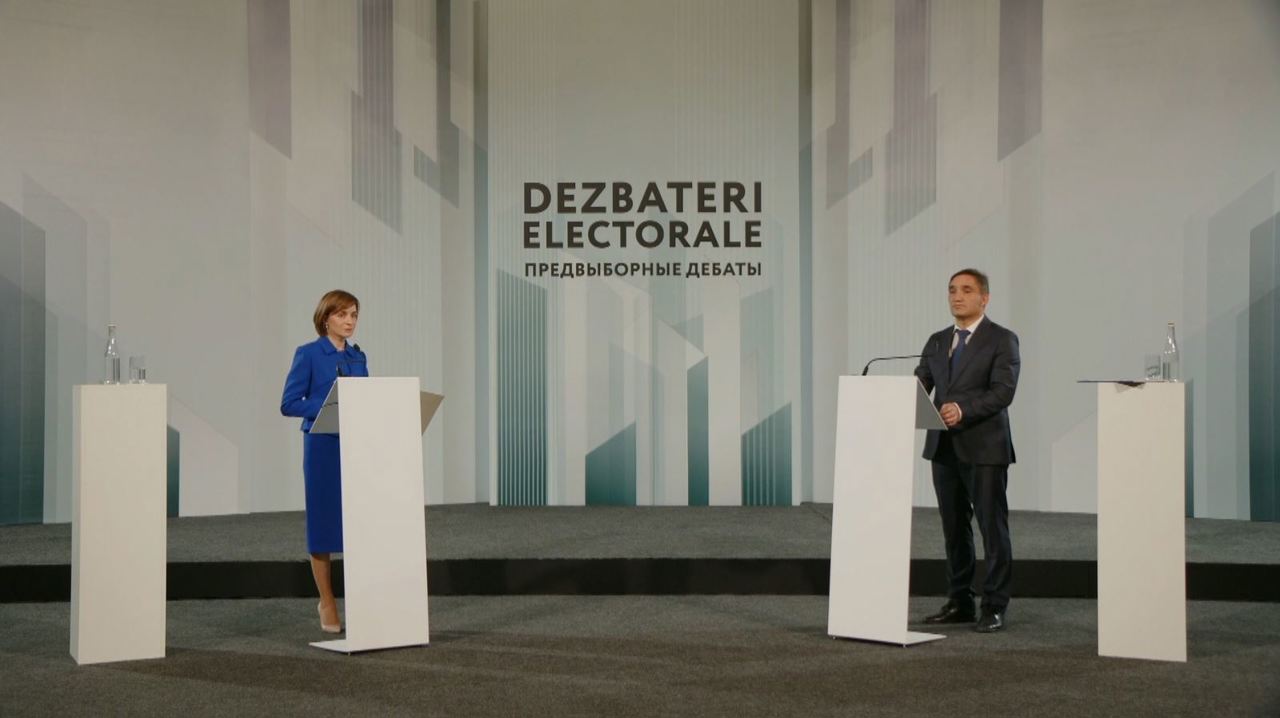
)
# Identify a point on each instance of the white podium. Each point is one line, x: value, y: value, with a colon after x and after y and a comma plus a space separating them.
x: 379, y: 422
x: 1142, y: 592
x: 118, y: 529
x: 876, y: 421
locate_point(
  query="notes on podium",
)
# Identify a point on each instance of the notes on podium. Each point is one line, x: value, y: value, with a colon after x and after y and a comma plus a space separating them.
x: 379, y: 422
x: 876, y: 421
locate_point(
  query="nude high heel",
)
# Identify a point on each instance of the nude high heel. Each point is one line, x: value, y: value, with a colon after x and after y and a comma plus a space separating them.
x: 327, y: 627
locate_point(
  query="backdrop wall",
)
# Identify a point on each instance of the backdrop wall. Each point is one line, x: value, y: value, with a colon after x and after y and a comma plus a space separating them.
x: 200, y: 173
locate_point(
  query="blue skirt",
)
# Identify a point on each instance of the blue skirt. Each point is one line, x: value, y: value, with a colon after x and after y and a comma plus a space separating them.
x: 322, y: 475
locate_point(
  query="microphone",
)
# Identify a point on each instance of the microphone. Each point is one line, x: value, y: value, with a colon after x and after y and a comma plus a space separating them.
x: 933, y: 345
x: 873, y: 361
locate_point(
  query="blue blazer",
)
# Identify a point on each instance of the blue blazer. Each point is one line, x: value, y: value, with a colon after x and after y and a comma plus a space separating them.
x: 315, y: 367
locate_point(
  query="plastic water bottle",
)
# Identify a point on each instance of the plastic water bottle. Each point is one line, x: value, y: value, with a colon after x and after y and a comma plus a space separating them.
x: 1169, y: 369
x: 111, y: 358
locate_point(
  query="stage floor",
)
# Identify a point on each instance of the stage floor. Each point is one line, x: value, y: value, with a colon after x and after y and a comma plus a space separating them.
x: 642, y: 656
x: 480, y: 531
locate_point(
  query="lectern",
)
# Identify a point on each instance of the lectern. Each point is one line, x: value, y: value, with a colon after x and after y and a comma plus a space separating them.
x: 876, y: 421
x: 1142, y: 590
x: 118, y: 512
x: 379, y: 422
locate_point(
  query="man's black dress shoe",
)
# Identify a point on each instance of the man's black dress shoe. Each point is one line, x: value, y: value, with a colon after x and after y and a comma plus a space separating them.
x: 990, y: 622
x: 952, y: 612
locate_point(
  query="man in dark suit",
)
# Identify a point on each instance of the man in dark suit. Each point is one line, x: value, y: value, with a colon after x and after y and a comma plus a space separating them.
x: 972, y: 370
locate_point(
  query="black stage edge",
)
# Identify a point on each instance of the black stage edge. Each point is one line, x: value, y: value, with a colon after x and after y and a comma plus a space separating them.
x: 634, y: 576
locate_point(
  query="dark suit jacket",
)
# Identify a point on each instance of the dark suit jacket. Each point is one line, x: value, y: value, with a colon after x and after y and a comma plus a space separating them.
x: 983, y: 386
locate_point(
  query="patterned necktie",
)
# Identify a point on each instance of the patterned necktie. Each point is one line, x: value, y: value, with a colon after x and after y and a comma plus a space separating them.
x: 963, y: 335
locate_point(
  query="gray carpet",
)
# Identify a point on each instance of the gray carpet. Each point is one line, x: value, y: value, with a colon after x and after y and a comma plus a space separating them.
x: 480, y: 531
x: 569, y: 656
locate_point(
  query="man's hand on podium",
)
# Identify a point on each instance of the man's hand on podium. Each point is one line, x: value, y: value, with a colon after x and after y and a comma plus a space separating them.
x: 950, y: 414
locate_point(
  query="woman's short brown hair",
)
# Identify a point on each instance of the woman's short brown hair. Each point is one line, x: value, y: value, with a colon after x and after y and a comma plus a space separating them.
x: 330, y: 304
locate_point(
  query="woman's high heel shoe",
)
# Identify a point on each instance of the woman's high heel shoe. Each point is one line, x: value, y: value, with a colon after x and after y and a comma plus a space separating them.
x: 327, y: 627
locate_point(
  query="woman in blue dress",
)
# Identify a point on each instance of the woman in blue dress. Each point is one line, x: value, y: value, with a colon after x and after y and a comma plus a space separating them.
x: 316, y: 366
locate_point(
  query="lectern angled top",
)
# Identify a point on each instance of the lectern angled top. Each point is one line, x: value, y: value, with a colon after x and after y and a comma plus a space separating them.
x: 329, y: 418
x: 927, y: 416
x: 429, y: 403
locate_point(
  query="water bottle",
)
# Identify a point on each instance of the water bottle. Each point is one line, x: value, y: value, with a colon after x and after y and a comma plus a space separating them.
x: 1169, y: 359
x: 111, y: 358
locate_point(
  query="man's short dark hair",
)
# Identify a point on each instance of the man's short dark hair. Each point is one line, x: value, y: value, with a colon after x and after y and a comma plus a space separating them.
x: 983, y: 282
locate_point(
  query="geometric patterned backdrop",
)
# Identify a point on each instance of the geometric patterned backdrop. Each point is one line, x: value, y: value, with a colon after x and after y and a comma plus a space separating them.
x: 200, y: 175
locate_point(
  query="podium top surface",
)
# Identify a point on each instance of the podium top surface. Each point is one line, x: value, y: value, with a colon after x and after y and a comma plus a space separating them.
x: 328, y: 421
x: 122, y: 386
